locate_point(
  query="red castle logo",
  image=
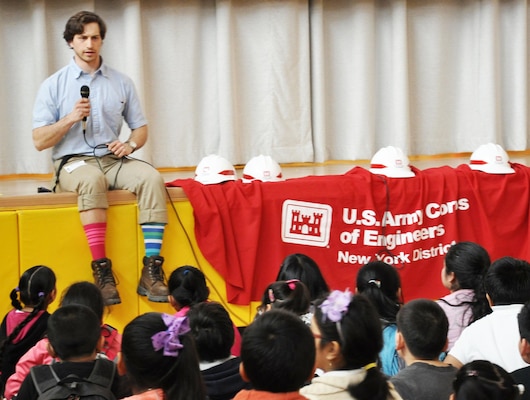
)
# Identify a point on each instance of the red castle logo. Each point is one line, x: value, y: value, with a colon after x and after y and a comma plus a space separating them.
x: 306, y: 224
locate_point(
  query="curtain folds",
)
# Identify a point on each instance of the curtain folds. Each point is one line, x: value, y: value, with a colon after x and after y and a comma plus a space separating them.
x: 300, y: 80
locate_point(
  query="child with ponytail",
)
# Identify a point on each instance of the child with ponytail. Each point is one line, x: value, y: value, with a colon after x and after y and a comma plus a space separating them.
x: 291, y: 295
x: 81, y: 293
x: 463, y: 272
x: 159, y: 359
x: 26, y: 323
x: 380, y: 283
x: 187, y: 287
x: 348, y: 340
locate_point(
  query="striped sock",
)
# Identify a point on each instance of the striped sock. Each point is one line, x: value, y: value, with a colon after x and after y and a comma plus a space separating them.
x: 153, y: 234
x: 95, y: 234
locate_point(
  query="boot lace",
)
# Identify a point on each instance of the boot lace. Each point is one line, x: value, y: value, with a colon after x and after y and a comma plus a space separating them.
x: 105, y: 276
x: 156, y: 273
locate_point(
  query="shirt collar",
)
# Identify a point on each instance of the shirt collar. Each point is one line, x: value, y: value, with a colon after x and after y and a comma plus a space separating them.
x: 102, y: 70
x: 203, y: 365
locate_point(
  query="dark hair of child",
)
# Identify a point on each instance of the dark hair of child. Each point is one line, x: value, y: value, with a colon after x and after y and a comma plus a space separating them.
x: 36, y: 289
x: 360, y: 340
x: 74, y: 331
x: 380, y: 282
x: 507, y: 281
x: 469, y: 262
x: 278, y: 352
x: 305, y: 269
x: 178, y: 375
x: 87, y: 294
x: 291, y: 295
x: 483, y: 380
x: 424, y: 325
x: 212, y: 329
x: 187, y: 286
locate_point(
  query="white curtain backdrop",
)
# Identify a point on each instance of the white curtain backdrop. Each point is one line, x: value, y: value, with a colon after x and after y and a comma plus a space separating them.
x: 302, y: 81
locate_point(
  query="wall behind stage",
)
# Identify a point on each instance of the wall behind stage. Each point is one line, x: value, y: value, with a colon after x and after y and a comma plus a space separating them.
x: 297, y: 80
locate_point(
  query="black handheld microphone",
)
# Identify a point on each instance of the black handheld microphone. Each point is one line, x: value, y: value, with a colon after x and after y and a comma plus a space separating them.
x: 85, y: 92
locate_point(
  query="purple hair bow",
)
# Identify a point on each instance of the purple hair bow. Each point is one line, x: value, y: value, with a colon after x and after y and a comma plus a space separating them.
x: 336, y: 305
x: 169, y: 339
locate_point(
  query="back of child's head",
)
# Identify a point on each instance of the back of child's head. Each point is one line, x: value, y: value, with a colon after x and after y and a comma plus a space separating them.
x: 277, y: 352
x: 291, y: 295
x: 74, y: 331
x: 353, y: 322
x: 380, y: 282
x: 35, y: 287
x: 507, y: 281
x: 187, y: 285
x: 159, y: 352
x: 424, y: 327
x: 483, y: 380
x: 469, y: 261
x: 305, y: 269
x: 87, y: 294
x: 212, y: 329
x: 37, y: 290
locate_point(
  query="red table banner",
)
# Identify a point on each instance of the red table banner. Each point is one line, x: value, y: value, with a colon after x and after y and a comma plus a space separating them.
x: 245, y: 230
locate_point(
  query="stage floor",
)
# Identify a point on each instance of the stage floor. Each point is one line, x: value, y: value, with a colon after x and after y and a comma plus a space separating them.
x: 22, y: 185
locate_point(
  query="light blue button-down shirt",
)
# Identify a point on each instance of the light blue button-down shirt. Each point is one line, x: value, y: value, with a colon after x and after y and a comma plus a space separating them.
x: 113, y: 99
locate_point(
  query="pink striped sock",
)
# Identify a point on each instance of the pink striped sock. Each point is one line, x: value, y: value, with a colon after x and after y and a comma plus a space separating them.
x: 95, y: 234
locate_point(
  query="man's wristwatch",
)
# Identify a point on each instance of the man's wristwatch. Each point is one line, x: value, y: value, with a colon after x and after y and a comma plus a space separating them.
x: 132, y: 144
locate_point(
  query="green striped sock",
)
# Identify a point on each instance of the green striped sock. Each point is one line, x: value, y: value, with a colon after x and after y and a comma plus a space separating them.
x: 153, y: 234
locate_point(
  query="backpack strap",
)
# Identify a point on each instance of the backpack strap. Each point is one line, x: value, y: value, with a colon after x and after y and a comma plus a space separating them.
x: 44, y: 378
x: 103, y: 373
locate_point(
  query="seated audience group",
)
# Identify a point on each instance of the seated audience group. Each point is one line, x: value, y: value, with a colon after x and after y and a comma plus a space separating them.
x: 307, y: 341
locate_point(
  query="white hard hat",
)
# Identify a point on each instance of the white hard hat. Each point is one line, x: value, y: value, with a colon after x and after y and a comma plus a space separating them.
x: 490, y: 158
x: 262, y: 168
x: 392, y: 162
x: 214, y: 169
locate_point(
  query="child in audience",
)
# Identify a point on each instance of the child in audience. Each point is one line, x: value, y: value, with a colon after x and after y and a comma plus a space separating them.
x: 159, y: 359
x: 522, y: 375
x: 348, y: 339
x: 462, y: 274
x: 290, y: 295
x: 495, y: 337
x: 26, y: 324
x: 381, y: 284
x: 483, y: 380
x: 187, y: 286
x: 84, y: 293
x: 421, y: 337
x: 305, y: 269
x: 213, y: 332
x: 277, y: 356
x: 74, y: 334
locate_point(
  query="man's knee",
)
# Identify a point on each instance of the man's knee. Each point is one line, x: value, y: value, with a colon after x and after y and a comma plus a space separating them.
x: 93, y: 183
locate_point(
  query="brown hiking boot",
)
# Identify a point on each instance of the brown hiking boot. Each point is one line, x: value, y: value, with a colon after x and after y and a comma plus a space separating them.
x: 152, y: 282
x: 104, y: 279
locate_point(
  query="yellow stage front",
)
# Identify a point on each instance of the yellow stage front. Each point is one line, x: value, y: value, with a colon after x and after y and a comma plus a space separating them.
x: 45, y: 229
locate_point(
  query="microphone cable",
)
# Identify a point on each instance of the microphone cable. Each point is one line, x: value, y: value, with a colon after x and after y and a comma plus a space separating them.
x: 96, y: 157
